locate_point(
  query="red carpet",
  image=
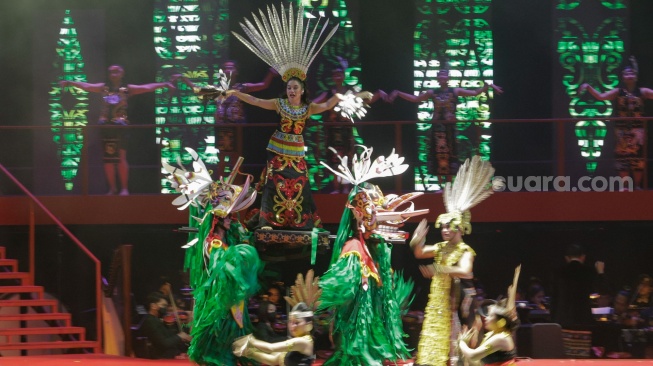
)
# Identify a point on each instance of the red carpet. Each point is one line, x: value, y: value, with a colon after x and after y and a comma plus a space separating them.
x: 105, y: 360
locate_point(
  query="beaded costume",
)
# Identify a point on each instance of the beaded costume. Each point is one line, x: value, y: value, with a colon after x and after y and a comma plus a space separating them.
x: 441, y: 324
x: 114, y: 113
x: 630, y: 136
x: 286, y: 198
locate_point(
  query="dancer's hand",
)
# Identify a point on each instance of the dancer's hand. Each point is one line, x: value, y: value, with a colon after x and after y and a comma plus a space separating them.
x: 365, y: 95
x: 497, y: 89
x: 600, y: 267
x: 467, y: 335
x: 428, y: 271
x: 184, y: 336
x: 419, y: 235
x: 169, y: 85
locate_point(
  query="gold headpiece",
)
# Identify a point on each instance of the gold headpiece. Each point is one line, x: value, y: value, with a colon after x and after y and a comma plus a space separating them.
x: 471, y: 187
x: 281, y: 41
x: 305, y: 290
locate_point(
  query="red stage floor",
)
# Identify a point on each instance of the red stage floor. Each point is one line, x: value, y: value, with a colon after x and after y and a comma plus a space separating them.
x: 105, y: 360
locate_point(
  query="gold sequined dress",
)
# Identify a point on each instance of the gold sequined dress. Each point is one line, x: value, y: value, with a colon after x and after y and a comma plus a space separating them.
x: 441, y: 324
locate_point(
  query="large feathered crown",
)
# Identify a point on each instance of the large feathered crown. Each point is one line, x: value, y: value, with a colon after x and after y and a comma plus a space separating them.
x: 471, y: 186
x: 280, y: 40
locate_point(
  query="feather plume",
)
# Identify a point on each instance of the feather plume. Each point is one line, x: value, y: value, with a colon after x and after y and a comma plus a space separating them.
x: 351, y: 106
x: 280, y: 40
x: 471, y: 186
x: 364, y: 169
x: 305, y: 290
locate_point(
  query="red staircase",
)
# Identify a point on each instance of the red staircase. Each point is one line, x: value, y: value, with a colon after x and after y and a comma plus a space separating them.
x: 33, y: 297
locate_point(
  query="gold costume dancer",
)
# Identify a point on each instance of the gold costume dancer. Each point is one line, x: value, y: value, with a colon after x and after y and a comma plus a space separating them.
x: 453, y: 263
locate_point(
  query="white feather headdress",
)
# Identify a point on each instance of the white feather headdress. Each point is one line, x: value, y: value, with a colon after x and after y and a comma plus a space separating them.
x: 471, y: 186
x: 364, y: 169
x: 391, y: 210
x: 280, y: 40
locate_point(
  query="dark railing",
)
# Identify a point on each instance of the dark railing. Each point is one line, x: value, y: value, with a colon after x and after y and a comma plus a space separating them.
x: 558, y: 162
x: 32, y: 253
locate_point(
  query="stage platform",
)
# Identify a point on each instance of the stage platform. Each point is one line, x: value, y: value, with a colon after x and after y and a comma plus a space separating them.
x: 106, y: 360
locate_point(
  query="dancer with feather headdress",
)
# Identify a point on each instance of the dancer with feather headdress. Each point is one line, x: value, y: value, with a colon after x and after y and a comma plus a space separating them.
x: 299, y: 349
x: 452, y: 265
x: 223, y: 270
x: 283, y: 42
x: 365, y: 295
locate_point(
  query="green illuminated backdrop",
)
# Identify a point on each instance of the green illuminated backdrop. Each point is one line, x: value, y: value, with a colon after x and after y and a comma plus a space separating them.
x: 190, y: 38
x: 67, y: 124
x: 343, y: 44
x: 458, y: 33
x: 591, y: 49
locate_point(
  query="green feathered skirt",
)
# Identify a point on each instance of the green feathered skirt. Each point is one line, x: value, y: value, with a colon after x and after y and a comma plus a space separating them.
x: 367, y: 322
x: 228, y: 278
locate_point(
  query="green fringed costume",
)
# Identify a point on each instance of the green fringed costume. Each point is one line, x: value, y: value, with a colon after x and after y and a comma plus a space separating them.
x: 222, y: 285
x: 366, y: 297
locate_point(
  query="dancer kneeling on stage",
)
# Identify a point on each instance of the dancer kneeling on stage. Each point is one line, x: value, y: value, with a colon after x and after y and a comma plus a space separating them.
x: 498, y: 346
x: 296, y: 351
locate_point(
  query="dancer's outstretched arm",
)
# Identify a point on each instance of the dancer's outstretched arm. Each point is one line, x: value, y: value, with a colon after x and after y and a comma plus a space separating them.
x: 261, y: 103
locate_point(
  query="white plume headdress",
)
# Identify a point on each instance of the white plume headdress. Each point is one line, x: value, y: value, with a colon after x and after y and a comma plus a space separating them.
x: 280, y: 40
x: 391, y: 210
x: 471, y: 186
x: 364, y: 169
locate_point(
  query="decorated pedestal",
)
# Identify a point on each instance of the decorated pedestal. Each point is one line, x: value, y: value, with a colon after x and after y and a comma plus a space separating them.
x: 282, y: 245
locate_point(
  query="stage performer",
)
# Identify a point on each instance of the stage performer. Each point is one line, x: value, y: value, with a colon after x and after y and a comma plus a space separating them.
x: 296, y: 351
x: 439, y: 154
x: 451, y: 271
x: 114, y: 113
x: 228, y: 110
x: 501, y: 320
x: 223, y: 267
x: 627, y: 101
x: 286, y: 201
x: 366, y: 297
